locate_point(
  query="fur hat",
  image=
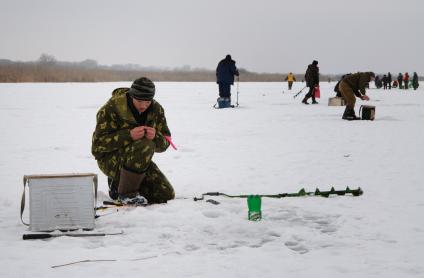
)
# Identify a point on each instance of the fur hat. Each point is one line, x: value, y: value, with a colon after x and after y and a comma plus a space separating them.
x: 142, y: 89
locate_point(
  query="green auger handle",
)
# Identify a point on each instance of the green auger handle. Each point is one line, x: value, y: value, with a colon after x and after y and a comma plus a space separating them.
x: 301, y: 193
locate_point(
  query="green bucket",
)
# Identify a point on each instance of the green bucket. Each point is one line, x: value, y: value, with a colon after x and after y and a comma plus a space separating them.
x: 254, y: 204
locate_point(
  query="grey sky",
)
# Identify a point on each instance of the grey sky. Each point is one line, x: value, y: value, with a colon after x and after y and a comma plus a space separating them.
x: 262, y: 36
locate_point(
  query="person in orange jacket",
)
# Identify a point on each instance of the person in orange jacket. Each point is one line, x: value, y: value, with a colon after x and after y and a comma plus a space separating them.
x: 290, y: 79
x: 406, y: 80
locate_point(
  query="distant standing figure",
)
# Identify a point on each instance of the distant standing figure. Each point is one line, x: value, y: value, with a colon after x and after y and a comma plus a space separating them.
x: 225, y: 72
x: 312, y: 81
x: 389, y: 80
x: 377, y: 82
x: 415, y: 81
x: 351, y: 86
x: 290, y: 79
x: 385, y: 81
x: 400, y: 79
x: 406, y: 81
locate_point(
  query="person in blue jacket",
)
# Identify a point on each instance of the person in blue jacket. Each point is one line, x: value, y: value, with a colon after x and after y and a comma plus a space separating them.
x: 225, y: 72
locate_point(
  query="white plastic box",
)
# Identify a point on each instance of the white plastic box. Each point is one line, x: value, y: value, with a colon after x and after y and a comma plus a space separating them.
x: 61, y: 201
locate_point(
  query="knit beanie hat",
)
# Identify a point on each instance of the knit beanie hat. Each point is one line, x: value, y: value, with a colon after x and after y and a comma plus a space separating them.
x: 142, y: 89
x: 315, y: 62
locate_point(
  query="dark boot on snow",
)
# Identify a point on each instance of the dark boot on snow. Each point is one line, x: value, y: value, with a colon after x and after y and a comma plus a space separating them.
x: 113, y: 188
x: 129, y: 186
x: 349, y: 114
x: 135, y: 200
x: 129, y: 181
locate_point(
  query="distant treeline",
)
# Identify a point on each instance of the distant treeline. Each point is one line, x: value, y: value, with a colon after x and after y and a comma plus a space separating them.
x: 48, y: 69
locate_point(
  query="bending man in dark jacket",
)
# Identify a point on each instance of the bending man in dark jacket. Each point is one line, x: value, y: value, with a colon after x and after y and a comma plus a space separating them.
x: 351, y: 86
x: 225, y: 72
x: 130, y: 128
x: 312, y: 81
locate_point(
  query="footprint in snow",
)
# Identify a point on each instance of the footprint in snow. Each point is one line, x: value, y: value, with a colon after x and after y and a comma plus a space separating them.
x: 274, y: 234
x: 296, y: 246
x: 212, y: 214
x: 187, y: 150
x: 191, y: 247
x: 328, y: 230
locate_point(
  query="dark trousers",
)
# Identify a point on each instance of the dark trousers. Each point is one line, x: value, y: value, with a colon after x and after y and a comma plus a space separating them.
x: 224, y: 90
x: 311, y: 93
x: 290, y: 84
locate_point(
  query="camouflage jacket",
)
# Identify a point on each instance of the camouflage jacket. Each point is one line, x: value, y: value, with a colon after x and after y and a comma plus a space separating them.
x: 115, y: 120
x: 358, y: 81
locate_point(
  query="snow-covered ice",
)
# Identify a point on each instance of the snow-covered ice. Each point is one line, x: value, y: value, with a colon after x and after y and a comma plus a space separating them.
x: 270, y: 144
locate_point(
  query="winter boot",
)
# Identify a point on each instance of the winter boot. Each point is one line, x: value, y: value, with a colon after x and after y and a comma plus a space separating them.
x: 349, y: 114
x: 314, y: 101
x: 129, y: 182
x: 305, y: 101
x: 136, y: 199
x: 113, y: 188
